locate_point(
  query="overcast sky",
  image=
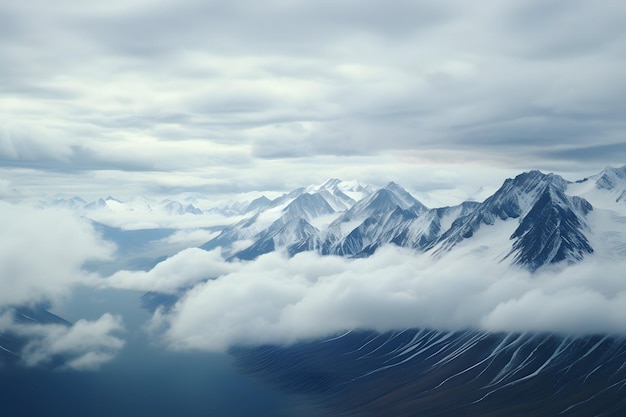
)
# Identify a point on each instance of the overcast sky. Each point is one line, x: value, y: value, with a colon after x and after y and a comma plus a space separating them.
x: 161, y: 96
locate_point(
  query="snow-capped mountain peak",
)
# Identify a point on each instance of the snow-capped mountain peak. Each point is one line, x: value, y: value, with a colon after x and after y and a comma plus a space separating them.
x: 611, y: 178
x: 404, y: 196
x: 61, y: 201
x: 308, y: 206
x: 604, y: 189
x: 552, y: 231
x: 258, y: 204
x: 341, y: 195
x: 551, y: 225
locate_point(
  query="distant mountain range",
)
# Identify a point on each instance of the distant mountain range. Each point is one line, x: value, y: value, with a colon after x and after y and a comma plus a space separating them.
x: 532, y: 220
x: 186, y: 204
x: 139, y: 205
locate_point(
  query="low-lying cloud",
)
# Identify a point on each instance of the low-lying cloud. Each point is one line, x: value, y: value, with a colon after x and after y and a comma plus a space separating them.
x: 42, y: 253
x: 277, y: 299
x: 83, y: 346
x: 184, y: 269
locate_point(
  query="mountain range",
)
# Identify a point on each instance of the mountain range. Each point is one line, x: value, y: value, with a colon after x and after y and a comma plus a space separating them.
x: 532, y: 220
x: 139, y: 205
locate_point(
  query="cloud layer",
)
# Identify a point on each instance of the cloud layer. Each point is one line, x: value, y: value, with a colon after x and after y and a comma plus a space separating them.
x: 276, y: 299
x: 238, y: 97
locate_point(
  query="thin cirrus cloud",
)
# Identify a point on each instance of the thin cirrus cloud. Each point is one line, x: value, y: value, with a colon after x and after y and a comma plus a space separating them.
x: 282, y: 300
x: 205, y: 86
x: 42, y: 253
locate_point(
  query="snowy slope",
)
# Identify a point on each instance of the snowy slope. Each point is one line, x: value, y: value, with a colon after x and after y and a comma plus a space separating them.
x: 607, y: 222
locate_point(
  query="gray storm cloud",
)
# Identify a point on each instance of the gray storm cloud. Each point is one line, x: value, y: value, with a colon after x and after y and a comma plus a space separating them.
x: 276, y: 299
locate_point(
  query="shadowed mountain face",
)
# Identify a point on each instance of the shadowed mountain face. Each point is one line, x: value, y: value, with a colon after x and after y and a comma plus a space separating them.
x: 430, y: 373
x: 551, y: 224
x: 552, y: 231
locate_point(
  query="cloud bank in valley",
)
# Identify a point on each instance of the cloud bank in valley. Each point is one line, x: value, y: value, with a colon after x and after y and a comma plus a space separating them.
x: 41, y: 257
x: 276, y: 299
x: 184, y: 269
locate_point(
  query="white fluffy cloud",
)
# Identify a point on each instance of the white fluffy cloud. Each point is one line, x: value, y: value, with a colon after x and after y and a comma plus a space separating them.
x: 83, y: 346
x: 277, y: 299
x: 185, y: 268
x: 42, y: 253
